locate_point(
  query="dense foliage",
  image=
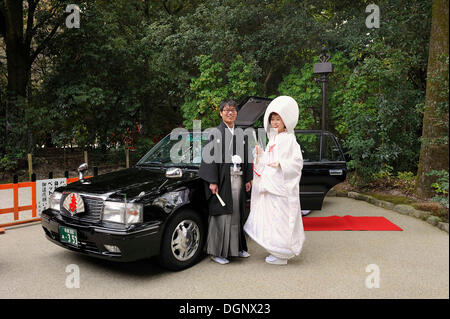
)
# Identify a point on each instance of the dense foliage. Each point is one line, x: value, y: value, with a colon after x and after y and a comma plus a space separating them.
x: 162, y: 64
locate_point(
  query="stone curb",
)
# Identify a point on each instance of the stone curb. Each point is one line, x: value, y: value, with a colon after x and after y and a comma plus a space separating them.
x: 402, y: 209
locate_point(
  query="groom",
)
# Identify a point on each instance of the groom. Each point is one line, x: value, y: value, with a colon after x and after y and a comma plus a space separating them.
x: 227, y: 182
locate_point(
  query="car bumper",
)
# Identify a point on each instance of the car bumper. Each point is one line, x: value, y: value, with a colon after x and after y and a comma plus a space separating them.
x: 139, y: 243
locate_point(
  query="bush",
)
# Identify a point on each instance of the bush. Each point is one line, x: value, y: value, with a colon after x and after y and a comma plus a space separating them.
x: 440, y: 187
x: 405, y: 181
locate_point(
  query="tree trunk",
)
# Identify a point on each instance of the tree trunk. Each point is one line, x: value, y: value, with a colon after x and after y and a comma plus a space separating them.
x: 434, y: 156
x: 18, y: 70
x: 16, y: 55
x: 17, y: 59
x: 267, y: 79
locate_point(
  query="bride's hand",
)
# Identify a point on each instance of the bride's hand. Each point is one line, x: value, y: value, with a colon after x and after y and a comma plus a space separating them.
x: 259, y: 150
x: 274, y: 164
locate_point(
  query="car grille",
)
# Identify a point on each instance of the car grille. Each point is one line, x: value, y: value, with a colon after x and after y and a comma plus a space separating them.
x: 92, y: 209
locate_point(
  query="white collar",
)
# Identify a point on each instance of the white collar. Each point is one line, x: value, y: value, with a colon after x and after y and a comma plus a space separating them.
x: 231, y: 129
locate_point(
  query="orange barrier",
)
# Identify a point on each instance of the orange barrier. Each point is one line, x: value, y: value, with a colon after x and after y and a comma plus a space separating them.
x: 16, y: 209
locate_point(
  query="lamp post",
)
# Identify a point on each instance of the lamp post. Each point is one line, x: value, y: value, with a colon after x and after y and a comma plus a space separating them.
x: 323, y: 69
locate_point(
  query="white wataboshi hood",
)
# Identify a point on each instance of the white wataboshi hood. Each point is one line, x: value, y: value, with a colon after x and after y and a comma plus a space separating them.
x: 287, y: 108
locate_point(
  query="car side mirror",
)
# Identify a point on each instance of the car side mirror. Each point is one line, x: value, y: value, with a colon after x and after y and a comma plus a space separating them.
x: 347, y: 157
x: 81, y: 170
x: 174, y: 172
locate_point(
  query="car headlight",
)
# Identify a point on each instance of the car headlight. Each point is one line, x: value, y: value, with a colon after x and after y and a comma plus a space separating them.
x: 115, y: 212
x: 55, y: 200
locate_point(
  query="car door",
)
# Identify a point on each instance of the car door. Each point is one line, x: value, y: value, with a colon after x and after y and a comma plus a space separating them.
x: 324, y: 166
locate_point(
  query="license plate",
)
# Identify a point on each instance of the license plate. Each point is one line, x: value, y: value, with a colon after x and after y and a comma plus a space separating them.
x: 68, y: 235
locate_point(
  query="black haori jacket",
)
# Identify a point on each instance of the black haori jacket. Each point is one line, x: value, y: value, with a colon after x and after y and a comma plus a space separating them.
x: 219, y: 173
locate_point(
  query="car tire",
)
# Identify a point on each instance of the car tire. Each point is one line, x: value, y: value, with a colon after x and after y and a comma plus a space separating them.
x: 182, y: 241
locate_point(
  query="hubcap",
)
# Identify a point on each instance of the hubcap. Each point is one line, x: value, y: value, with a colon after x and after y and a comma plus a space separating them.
x: 185, y: 240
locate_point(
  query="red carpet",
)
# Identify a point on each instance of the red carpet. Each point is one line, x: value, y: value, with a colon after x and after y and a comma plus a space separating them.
x: 348, y: 223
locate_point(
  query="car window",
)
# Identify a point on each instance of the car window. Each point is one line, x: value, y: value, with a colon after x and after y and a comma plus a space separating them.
x: 331, y: 151
x: 310, y: 145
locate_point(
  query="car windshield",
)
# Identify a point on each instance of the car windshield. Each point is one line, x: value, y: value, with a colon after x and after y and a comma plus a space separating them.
x: 184, y: 149
x: 180, y: 150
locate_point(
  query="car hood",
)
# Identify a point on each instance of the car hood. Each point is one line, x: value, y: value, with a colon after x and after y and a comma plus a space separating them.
x: 130, y: 182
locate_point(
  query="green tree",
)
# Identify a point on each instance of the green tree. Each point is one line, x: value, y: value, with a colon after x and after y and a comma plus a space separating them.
x: 96, y: 87
x: 27, y: 29
x: 379, y: 117
x: 301, y: 85
x: 214, y: 85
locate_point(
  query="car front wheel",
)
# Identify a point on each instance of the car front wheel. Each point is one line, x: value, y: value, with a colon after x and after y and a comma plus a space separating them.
x: 182, y: 241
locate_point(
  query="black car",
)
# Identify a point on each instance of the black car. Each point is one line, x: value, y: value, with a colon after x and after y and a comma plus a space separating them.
x: 158, y: 208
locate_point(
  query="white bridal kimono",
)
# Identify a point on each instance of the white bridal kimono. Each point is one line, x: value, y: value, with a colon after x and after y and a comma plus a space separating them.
x: 275, y: 220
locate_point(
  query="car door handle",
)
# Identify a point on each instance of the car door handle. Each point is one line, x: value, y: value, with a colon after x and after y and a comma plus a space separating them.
x: 336, y: 171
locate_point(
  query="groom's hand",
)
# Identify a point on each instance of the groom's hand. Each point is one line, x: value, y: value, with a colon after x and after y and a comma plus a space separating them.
x: 214, y: 188
x: 248, y: 186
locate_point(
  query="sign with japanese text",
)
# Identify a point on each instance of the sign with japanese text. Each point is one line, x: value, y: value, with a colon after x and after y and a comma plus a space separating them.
x: 44, y: 188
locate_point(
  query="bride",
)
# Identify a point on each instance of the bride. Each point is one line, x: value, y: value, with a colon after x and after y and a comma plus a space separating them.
x: 275, y: 220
